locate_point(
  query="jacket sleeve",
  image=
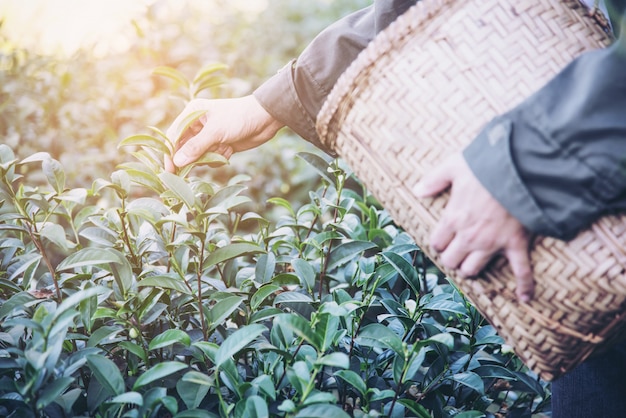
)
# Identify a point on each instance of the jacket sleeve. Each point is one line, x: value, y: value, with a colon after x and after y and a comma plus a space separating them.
x: 557, y: 162
x: 296, y: 93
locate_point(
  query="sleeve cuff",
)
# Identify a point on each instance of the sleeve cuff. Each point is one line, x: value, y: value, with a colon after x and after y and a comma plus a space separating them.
x: 279, y: 98
x: 490, y: 159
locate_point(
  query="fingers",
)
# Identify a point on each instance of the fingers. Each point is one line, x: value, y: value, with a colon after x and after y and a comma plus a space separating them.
x: 519, y: 260
x: 437, y: 180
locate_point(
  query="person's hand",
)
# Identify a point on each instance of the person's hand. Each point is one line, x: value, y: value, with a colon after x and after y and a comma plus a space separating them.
x: 226, y: 126
x: 475, y: 227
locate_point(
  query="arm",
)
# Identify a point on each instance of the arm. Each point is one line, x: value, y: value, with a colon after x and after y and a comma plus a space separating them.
x: 296, y: 93
x: 292, y: 97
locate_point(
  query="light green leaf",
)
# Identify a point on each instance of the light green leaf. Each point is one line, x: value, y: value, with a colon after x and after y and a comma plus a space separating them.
x: 282, y: 202
x: 376, y: 335
x: 265, y: 266
x: 260, y: 295
x: 255, y: 407
x: 301, y: 327
x: 54, y: 173
x: 292, y: 297
x: 134, y: 398
x: 88, y: 257
x: 172, y: 74
x: 148, y: 141
x: 231, y: 251
x: 304, y: 271
x: 191, y: 392
x: 169, y: 337
x: 321, y: 410
x: 335, y: 359
x: 135, y: 349
x: 166, y: 282
x: 237, y: 341
x: 318, y: 163
x: 208, y: 71
x: 219, y: 312
x: 56, y: 235
x: 159, y: 371
x: 179, y: 188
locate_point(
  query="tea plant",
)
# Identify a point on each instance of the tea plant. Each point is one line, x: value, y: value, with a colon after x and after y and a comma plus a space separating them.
x: 158, y: 305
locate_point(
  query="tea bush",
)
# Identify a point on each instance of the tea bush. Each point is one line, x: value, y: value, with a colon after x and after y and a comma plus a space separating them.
x: 161, y: 306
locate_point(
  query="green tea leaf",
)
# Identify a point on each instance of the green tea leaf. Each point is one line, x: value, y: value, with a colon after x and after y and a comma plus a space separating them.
x: 148, y: 141
x: 300, y: 327
x: 222, y: 310
x: 53, y: 390
x: 107, y: 373
x: 319, y: 164
x: 405, y: 269
x: 134, y: 398
x: 231, y: 251
x: 172, y: 74
x: 179, y: 188
x: 348, y: 251
x: 353, y: 380
x: 54, y: 173
x: 304, y: 271
x: 159, y: 371
x: 260, y: 295
x: 265, y: 266
x: 321, y: 410
x: 237, y: 341
x: 376, y: 335
x: 166, y: 282
x: 169, y: 337
x: 471, y: 380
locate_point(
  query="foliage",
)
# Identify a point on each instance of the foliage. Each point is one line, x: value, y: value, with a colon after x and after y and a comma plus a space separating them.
x: 158, y: 305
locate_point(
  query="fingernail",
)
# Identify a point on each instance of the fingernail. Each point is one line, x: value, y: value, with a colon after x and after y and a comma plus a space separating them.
x: 181, y: 160
x: 524, y: 298
x: 419, y: 190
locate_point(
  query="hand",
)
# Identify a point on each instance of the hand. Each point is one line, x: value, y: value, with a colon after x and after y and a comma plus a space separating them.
x: 475, y: 227
x: 226, y: 127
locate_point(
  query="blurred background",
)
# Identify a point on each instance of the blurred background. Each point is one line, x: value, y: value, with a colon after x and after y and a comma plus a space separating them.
x: 76, y: 76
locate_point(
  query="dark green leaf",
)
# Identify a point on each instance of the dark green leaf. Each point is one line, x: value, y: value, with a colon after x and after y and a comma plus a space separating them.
x: 301, y: 327
x: 353, y: 380
x: 405, y: 269
x: 261, y: 294
x: 53, y: 390
x: 159, y: 371
x: 222, y: 310
x: 348, y: 251
x: 265, y: 266
x: 471, y: 380
x: 304, y: 271
x: 107, y: 373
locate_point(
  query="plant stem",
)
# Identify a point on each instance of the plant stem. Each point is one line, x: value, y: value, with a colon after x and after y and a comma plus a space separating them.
x: 199, y: 283
x: 126, y: 240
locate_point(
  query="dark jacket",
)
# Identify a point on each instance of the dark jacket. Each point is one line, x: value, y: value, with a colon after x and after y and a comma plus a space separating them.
x: 561, y: 160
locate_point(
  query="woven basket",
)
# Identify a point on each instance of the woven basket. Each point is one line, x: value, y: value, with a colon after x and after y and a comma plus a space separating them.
x: 423, y: 89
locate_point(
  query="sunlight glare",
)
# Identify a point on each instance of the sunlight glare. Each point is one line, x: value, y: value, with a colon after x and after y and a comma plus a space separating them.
x: 64, y: 26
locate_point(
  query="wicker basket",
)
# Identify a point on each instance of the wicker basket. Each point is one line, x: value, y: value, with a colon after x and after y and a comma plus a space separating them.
x: 423, y: 89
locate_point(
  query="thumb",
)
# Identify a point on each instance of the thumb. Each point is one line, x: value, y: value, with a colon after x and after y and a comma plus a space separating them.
x: 193, y: 149
x: 436, y: 181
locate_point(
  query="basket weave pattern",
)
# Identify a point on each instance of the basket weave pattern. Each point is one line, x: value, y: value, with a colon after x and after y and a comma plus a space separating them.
x: 420, y: 92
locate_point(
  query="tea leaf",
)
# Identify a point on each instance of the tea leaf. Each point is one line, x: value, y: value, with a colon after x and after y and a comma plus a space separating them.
x: 172, y: 74
x: 148, y: 141
x: 159, y: 371
x: 169, y: 337
x: 237, y: 341
x: 231, y: 251
x: 107, y: 373
x: 179, y: 188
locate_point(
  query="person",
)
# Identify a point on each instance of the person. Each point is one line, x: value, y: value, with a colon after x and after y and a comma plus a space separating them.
x: 557, y: 164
